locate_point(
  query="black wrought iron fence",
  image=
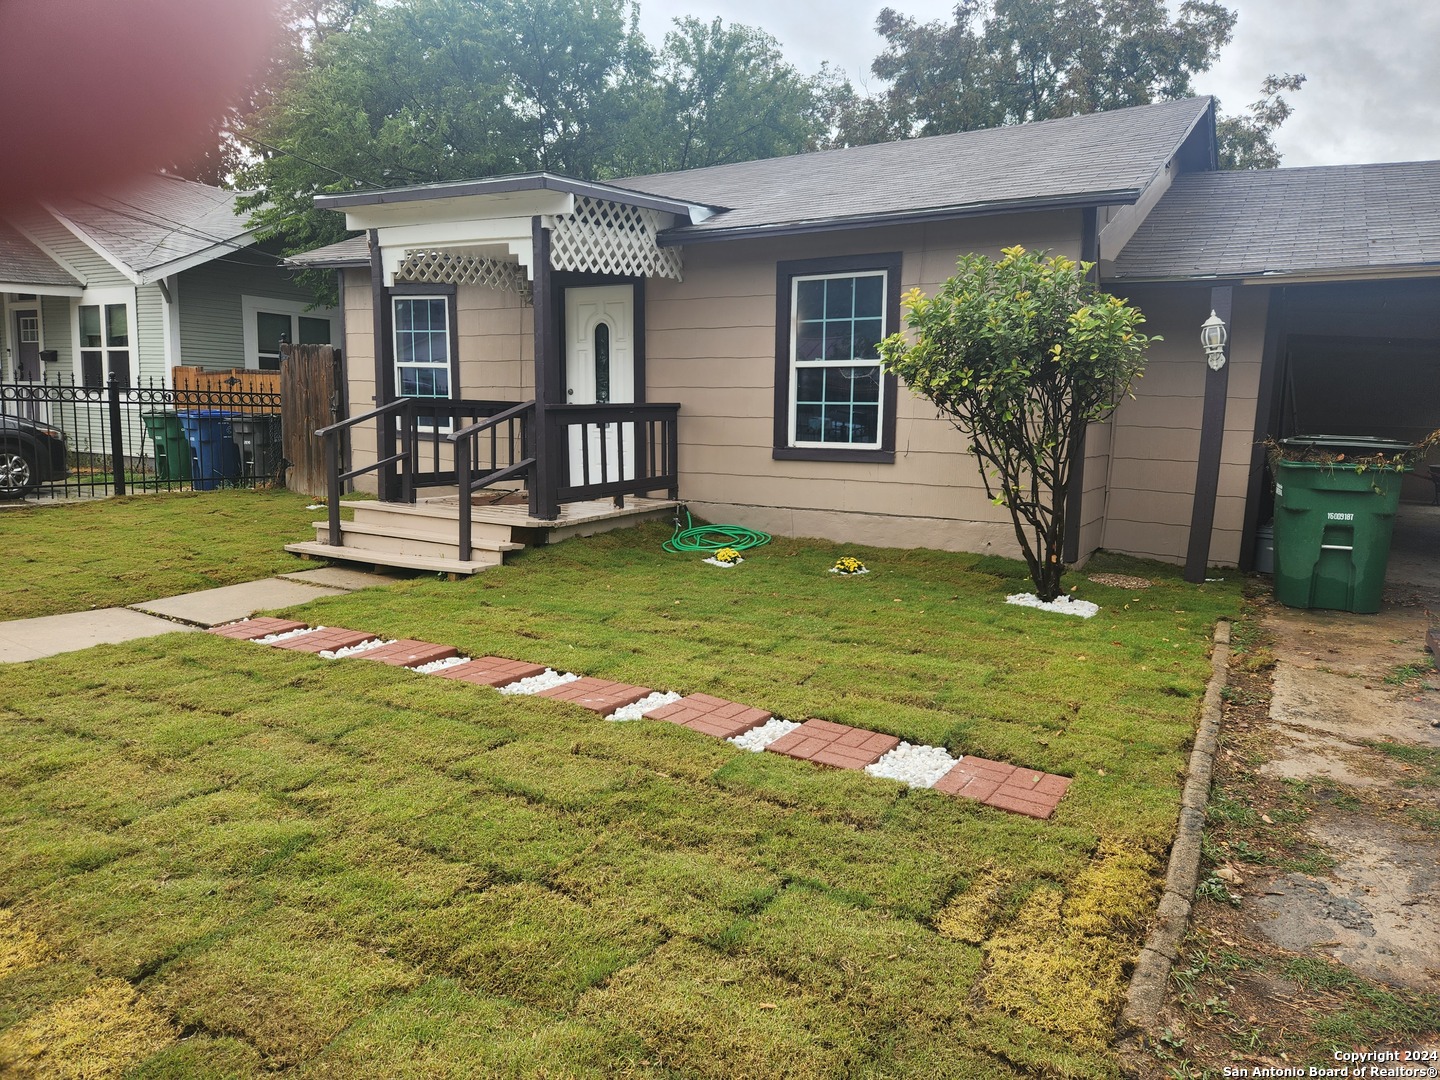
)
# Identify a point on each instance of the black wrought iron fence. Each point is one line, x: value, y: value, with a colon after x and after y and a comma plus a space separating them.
x: 121, y: 439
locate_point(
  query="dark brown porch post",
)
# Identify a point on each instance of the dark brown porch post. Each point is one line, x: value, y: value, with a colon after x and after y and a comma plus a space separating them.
x: 1075, y: 490
x: 549, y: 380
x: 384, y: 370
x: 1212, y: 434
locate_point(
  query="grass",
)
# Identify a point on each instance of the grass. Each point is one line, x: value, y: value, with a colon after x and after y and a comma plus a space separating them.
x: 112, y: 552
x: 346, y: 869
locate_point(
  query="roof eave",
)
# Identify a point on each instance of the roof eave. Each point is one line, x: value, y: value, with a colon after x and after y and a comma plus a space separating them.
x: 1283, y: 277
x: 36, y: 288
x: 499, y: 185
x: 151, y: 274
x: 347, y: 263
x: 684, y: 235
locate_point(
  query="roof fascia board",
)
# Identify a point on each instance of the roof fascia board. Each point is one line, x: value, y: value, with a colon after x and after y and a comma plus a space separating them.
x: 1286, y: 277
x: 78, y: 231
x: 39, y: 290
x: 500, y: 185
x: 45, y: 249
x: 515, y: 207
x: 349, y: 263
x: 680, y: 235
x: 215, y: 251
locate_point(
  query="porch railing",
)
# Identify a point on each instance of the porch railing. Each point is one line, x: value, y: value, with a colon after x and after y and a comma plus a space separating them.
x: 618, y: 450
x: 422, y: 430
x: 597, y: 451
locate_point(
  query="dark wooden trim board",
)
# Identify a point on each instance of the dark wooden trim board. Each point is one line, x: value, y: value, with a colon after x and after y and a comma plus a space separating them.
x: 1275, y: 317
x: 1212, y: 435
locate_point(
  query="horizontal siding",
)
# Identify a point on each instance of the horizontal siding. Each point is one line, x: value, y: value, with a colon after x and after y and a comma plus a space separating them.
x: 711, y: 347
x: 150, y: 333
x: 212, y: 330
x: 55, y: 317
x: 94, y: 271
x: 1155, y: 445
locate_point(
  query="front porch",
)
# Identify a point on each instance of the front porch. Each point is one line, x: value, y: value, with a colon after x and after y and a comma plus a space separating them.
x: 481, y: 295
x: 426, y: 535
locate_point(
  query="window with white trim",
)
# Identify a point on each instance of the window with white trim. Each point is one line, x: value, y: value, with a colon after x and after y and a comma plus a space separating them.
x: 271, y: 323
x: 837, y: 401
x: 105, y: 337
x: 422, y: 346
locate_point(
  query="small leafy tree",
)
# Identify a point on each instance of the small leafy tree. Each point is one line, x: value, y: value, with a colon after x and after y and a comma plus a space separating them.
x: 1020, y: 355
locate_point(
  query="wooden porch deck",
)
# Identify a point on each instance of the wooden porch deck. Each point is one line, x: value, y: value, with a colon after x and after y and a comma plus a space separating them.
x: 425, y: 535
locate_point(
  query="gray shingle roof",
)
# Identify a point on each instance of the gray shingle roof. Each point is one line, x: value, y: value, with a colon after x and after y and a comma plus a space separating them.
x: 1333, y: 217
x: 1103, y: 157
x: 22, y: 263
x: 352, y: 252
x: 158, y: 221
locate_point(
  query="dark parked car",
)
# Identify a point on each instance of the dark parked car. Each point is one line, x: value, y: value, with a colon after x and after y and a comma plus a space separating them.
x: 31, y: 454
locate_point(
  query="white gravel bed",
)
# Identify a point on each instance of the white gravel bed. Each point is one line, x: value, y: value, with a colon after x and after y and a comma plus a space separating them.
x: 726, y: 565
x: 648, y: 703
x: 351, y: 650
x: 271, y: 639
x: 440, y: 665
x: 535, y: 683
x: 759, y: 738
x: 918, y: 766
x: 1065, y: 605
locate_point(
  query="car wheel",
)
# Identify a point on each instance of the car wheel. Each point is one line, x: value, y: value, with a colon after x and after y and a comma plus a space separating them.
x: 17, y: 472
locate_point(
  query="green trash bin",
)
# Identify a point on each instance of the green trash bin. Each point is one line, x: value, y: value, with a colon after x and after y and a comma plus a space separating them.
x: 172, y: 450
x: 1333, y: 520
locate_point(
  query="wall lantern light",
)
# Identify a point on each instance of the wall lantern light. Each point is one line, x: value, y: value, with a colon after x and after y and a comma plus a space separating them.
x: 1213, y: 336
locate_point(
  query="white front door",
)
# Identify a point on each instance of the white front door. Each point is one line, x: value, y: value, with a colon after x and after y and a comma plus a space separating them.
x: 599, y: 370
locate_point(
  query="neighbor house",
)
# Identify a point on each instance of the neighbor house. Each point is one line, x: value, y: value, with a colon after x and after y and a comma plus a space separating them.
x: 158, y: 273
x: 710, y: 335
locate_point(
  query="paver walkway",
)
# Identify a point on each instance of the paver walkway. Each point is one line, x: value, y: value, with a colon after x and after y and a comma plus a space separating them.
x: 822, y: 742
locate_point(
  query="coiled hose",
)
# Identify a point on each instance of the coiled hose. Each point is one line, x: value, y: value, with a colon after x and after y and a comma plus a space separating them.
x: 711, y: 538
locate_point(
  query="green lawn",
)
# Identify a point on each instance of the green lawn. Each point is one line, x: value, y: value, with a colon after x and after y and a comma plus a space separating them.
x: 229, y: 859
x: 111, y: 552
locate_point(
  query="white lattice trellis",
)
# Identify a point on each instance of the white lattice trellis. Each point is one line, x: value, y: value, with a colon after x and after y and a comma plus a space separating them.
x: 448, y: 268
x: 612, y: 238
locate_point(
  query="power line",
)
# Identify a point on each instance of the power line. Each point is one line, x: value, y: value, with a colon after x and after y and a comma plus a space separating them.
x: 308, y: 161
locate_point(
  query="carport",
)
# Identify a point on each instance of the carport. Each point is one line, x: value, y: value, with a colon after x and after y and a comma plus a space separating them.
x: 1335, y: 278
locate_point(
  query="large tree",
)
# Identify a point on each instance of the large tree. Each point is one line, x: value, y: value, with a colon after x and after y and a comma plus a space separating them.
x: 1014, y: 61
x: 418, y: 91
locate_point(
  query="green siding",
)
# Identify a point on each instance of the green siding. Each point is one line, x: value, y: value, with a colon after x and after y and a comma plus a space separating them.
x: 211, y: 328
x: 150, y: 333
x: 55, y: 320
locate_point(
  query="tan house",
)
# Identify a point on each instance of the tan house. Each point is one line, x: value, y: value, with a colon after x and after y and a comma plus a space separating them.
x: 709, y: 336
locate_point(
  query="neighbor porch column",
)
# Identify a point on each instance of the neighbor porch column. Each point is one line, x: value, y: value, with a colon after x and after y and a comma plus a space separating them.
x: 549, y: 381
x: 384, y: 371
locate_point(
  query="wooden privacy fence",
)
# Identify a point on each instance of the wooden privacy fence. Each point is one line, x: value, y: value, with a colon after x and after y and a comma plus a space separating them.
x: 310, y: 399
x: 193, y: 385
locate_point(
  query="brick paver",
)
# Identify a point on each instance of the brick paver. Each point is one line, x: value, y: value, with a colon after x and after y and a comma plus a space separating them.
x: 1005, y: 787
x: 827, y: 743
x: 250, y: 629
x: 331, y: 637
x: 711, y: 715
x: 598, y: 695
x: 407, y: 652
x: 493, y: 671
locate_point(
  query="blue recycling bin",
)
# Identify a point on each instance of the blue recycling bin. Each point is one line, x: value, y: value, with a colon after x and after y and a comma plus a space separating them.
x: 214, y: 457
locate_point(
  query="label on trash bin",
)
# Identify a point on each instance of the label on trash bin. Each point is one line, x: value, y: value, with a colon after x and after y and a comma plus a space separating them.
x: 1279, y: 491
x: 1339, y: 517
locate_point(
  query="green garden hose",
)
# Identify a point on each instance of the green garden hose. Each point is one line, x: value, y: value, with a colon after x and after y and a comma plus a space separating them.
x: 711, y: 538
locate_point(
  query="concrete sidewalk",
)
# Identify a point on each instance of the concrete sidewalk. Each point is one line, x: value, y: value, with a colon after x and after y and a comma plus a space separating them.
x: 31, y: 639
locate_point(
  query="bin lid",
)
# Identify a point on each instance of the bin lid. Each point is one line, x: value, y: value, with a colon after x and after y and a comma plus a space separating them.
x: 1347, y: 444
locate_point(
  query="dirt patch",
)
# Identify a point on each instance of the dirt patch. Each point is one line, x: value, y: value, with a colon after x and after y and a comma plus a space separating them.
x: 1317, y: 919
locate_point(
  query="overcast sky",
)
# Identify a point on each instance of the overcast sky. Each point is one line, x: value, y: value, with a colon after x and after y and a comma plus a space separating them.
x: 1373, y: 65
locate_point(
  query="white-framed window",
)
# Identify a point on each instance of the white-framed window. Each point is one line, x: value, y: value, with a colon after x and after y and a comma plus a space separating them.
x: 422, y: 346
x: 836, y: 387
x: 103, y: 322
x: 269, y: 322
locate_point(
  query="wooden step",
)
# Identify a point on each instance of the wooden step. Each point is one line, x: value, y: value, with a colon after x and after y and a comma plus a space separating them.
x: 365, y: 556
x: 427, y: 536
x: 437, y: 521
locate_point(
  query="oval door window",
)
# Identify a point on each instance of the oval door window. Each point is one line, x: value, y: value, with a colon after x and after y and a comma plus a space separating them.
x: 602, y: 363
